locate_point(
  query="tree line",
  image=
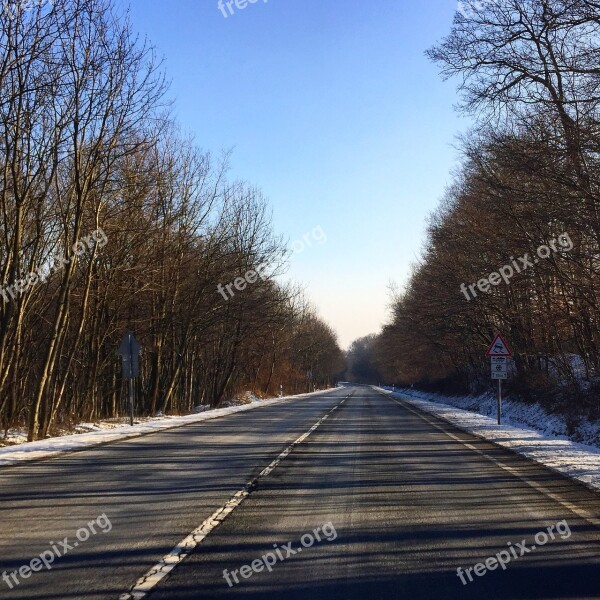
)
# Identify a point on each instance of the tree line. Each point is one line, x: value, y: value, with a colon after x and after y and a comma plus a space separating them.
x: 113, y: 220
x: 528, y: 72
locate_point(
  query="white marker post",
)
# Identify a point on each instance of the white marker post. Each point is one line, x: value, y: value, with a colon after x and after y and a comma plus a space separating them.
x: 498, y: 353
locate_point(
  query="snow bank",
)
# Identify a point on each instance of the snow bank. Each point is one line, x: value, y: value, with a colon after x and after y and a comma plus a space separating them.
x: 546, y: 446
x: 519, y: 414
x: 103, y: 433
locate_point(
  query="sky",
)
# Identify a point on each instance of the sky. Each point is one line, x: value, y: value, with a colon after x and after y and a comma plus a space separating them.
x: 334, y: 112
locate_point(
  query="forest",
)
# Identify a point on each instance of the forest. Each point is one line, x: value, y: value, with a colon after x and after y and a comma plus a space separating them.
x: 114, y: 220
x: 527, y: 193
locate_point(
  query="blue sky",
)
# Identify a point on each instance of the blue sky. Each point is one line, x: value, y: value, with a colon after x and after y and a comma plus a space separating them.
x: 334, y: 112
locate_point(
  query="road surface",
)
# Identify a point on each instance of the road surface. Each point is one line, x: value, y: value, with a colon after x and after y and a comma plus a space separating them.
x: 378, y: 501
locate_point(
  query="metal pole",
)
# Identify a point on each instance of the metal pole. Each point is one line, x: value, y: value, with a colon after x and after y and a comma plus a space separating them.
x: 131, y: 401
x: 499, y: 401
x: 130, y: 382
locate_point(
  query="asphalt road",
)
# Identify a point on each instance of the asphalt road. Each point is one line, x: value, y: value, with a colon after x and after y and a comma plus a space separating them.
x: 381, y: 501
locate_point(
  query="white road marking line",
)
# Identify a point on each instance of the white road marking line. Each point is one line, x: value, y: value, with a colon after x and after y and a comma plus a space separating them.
x: 144, y: 585
x: 580, y: 512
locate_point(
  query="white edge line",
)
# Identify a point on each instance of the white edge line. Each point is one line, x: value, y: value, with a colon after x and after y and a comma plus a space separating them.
x: 19, y: 454
x: 580, y: 512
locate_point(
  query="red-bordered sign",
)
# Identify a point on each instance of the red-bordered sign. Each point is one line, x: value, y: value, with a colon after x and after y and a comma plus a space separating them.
x: 499, y: 348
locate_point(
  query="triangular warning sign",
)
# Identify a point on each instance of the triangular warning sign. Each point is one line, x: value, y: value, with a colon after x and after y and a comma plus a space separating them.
x: 499, y: 348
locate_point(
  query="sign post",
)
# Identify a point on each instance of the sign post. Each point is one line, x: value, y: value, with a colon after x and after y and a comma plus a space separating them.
x: 130, y: 353
x: 498, y: 353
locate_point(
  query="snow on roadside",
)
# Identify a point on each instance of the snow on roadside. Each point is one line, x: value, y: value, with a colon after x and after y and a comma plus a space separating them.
x: 577, y: 461
x: 518, y: 414
x: 105, y: 432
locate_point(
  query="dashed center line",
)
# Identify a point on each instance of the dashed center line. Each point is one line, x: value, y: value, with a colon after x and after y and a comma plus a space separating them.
x: 145, y: 584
